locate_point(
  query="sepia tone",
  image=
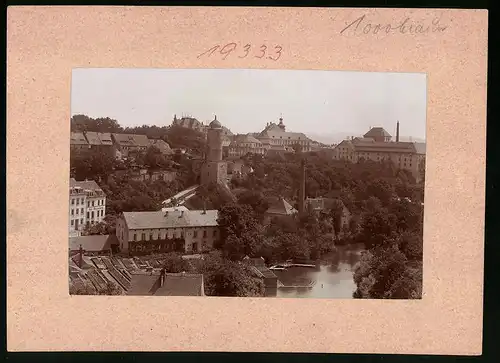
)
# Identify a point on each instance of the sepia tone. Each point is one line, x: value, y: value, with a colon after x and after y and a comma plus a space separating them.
x: 447, y: 320
x: 187, y: 207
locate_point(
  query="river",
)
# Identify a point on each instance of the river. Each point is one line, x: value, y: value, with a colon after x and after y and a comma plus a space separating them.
x: 332, y: 278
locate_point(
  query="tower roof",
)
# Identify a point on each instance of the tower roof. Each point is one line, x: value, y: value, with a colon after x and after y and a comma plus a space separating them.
x: 215, y: 124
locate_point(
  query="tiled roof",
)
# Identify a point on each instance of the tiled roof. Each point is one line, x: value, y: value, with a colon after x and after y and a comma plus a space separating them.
x: 162, y: 145
x: 242, y: 139
x: 181, y: 285
x: 93, y: 243
x: 78, y: 138
x: 281, y: 206
x: 93, y: 138
x: 420, y: 147
x: 131, y: 140
x: 85, y: 184
x: 143, y: 284
x: 175, y: 219
x: 105, y: 138
x: 376, y: 132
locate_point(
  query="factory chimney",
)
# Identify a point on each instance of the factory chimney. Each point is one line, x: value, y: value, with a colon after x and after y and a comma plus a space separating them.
x: 397, y: 132
x: 302, y: 187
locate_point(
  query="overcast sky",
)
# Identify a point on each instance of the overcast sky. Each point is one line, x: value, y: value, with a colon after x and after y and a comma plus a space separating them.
x: 314, y: 102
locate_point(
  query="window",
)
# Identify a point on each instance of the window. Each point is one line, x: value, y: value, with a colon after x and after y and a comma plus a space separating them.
x: 215, y: 232
x: 81, y: 211
x: 81, y: 220
x: 72, y: 222
x: 92, y: 215
x: 77, y: 211
x: 92, y: 203
x: 72, y: 212
x: 88, y: 215
x: 150, y: 236
x: 88, y: 204
x: 204, y: 234
x: 72, y: 202
x: 195, y: 233
x: 143, y: 236
x: 135, y: 237
x: 77, y: 201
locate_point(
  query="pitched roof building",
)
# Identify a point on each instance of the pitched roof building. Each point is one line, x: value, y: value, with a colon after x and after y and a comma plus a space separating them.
x: 129, y: 143
x: 95, y: 244
x: 276, y: 134
x: 280, y: 207
x: 87, y: 205
x: 164, y: 231
x: 376, y: 145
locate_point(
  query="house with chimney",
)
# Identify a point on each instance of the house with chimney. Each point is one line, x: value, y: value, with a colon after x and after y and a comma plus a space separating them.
x: 377, y: 145
x: 179, y: 230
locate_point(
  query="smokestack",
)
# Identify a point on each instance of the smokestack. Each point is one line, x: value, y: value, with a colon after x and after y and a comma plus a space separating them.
x: 302, y: 188
x: 162, y: 277
x: 397, y: 132
x: 80, y: 258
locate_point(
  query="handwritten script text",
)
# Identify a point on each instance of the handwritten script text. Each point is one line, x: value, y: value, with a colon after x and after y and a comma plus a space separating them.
x: 406, y: 26
x: 248, y: 50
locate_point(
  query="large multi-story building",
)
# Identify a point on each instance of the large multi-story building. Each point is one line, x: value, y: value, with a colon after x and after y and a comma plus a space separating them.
x: 87, y: 205
x: 276, y: 135
x: 244, y: 144
x: 376, y: 145
x: 181, y: 230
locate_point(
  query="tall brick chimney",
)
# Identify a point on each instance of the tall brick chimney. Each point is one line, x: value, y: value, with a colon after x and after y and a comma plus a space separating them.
x: 397, y: 132
x: 80, y: 257
x: 302, y: 187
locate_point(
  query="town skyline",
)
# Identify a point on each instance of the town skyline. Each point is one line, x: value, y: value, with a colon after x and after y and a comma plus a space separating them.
x: 136, y: 97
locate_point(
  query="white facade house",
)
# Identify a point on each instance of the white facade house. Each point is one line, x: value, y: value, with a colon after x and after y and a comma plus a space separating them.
x: 87, y: 205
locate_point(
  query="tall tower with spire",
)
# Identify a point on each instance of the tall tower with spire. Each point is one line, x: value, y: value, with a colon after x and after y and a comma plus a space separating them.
x: 214, y: 169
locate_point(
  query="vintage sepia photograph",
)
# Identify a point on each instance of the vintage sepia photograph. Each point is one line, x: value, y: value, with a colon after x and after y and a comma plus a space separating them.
x: 247, y: 183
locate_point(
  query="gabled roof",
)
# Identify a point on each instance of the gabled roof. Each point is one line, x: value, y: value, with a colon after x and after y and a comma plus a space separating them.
x: 174, y: 219
x: 85, y: 184
x: 93, y: 138
x: 94, y: 243
x: 181, y: 284
x: 131, y: 140
x: 281, y: 206
x: 78, y: 138
x: 162, y: 145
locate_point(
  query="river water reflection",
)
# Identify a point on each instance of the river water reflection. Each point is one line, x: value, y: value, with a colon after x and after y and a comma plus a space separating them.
x: 332, y: 278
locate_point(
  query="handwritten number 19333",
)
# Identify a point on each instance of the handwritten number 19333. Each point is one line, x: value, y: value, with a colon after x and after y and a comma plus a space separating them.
x: 248, y: 50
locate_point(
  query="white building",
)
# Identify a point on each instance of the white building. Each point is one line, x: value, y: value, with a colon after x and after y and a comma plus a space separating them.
x: 87, y: 205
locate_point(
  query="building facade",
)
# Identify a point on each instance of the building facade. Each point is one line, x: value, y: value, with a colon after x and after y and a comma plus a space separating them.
x: 276, y: 135
x: 189, y: 231
x: 376, y: 145
x: 87, y: 205
x: 244, y: 144
x: 130, y: 144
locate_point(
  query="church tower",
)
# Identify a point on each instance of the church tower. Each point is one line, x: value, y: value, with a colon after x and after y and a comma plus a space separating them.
x: 214, y: 169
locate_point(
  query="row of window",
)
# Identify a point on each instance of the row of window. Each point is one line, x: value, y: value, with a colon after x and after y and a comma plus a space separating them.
x: 98, y: 213
x: 80, y: 201
x: 75, y: 221
x: 174, y: 235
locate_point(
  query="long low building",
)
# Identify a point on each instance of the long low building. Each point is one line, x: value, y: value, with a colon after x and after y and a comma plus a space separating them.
x: 188, y: 231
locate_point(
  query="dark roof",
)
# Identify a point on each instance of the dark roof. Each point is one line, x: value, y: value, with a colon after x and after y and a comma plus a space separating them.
x: 131, y: 140
x: 181, y: 285
x: 77, y: 138
x: 377, y: 132
x: 379, y: 146
x: 215, y: 124
x: 281, y: 206
x: 143, y: 284
x: 174, y: 219
x: 95, y: 243
x: 84, y: 184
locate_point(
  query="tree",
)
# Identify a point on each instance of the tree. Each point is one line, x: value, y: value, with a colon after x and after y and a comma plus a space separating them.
x: 336, y: 212
x: 297, y: 148
x: 256, y: 201
x: 223, y: 277
x: 174, y: 263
